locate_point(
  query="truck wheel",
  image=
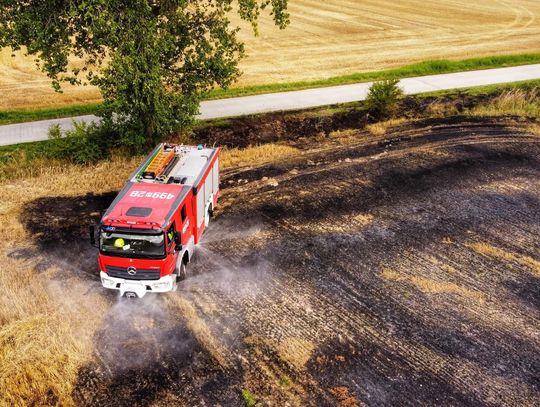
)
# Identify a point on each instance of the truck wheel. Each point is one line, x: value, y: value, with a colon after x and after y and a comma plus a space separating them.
x: 181, y: 271
x: 207, y: 217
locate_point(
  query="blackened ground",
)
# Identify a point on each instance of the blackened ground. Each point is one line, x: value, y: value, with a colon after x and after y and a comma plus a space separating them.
x: 399, y: 270
x: 143, y: 351
x: 59, y: 226
x: 374, y: 246
x: 289, y: 126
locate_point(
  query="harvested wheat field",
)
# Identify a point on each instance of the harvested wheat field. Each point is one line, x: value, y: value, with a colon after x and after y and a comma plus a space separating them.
x: 354, y: 269
x: 336, y: 37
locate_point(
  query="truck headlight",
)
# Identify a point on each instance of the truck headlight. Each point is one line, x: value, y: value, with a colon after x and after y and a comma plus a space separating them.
x: 107, y: 282
x: 161, y: 285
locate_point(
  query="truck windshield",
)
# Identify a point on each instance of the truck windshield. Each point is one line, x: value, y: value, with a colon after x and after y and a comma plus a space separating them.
x: 132, y: 245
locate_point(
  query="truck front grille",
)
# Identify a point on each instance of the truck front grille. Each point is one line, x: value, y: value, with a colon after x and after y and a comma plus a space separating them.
x: 140, y: 274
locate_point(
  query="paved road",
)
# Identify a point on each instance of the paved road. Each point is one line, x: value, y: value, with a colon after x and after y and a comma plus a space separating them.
x: 34, y: 131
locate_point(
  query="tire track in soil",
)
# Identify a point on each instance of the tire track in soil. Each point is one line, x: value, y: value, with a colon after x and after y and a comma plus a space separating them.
x: 288, y: 284
x: 494, y: 388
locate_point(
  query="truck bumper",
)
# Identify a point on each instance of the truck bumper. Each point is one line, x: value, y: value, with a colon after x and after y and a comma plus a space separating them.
x: 138, y: 287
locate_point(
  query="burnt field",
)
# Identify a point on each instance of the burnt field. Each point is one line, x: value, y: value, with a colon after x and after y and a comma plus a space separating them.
x: 394, y: 270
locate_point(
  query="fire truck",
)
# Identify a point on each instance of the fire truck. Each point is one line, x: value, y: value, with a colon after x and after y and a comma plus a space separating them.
x: 147, y: 235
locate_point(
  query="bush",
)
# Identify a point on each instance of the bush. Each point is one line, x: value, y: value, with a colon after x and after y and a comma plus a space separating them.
x: 84, y: 144
x: 383, y: 97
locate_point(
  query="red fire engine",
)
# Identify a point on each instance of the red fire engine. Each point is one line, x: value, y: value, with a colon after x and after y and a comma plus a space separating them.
x: 146, y: 237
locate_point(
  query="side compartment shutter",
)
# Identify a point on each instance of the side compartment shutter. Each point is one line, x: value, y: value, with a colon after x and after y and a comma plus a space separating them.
x: 208, y: 186
x: 215, y: 180
x: 200, y: 205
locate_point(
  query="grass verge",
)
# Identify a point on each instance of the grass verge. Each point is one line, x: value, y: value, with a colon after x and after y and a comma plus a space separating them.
x: 514, y: 102
x: 487, y: 89
x: 431, y: 67
x: 19, y: 116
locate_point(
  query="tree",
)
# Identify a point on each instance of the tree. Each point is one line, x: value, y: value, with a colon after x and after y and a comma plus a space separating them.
x: 151, y: 59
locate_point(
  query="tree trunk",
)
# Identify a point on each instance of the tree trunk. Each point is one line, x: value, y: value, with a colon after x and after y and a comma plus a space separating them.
x: 148, y: 132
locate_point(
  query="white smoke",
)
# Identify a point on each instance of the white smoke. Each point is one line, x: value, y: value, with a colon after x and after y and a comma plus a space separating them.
x: 139, y: 332
x: 231, y: 228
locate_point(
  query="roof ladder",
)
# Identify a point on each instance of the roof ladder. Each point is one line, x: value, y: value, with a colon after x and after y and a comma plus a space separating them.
x: 158, y: 163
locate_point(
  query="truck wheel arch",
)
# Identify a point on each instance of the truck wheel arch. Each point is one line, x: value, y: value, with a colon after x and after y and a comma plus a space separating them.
x: 186, y: 256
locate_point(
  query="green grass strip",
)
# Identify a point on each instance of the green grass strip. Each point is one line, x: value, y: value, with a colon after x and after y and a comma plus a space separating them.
x: 29, y: 115
x: 486, y: 89
x: 433, y: 67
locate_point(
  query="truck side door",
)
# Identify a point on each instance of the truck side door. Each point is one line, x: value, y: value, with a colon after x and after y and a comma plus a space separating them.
x: 186, y: 229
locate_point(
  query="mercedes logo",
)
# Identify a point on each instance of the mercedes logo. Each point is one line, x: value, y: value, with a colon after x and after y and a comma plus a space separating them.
x: 132, y: 271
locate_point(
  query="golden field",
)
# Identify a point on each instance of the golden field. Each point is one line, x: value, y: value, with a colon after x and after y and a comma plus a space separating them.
x: 45, y: 335
x: 336, y: 37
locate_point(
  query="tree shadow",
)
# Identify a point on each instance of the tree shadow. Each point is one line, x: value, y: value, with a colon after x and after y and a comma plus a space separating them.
x: 58, y: 226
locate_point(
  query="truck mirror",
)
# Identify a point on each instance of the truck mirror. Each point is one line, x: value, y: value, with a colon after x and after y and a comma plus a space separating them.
x: 92, y: 233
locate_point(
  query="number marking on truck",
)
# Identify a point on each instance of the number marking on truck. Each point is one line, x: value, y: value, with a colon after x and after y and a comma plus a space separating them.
x: 153, y: 195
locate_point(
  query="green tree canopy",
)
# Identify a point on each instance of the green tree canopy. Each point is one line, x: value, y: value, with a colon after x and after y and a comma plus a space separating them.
x: 152, y: 60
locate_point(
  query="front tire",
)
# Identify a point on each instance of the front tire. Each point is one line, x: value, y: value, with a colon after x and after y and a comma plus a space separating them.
x: 181, y: 272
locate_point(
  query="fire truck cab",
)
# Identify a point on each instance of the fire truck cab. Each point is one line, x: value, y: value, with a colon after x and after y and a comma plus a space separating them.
x: 147, y: 235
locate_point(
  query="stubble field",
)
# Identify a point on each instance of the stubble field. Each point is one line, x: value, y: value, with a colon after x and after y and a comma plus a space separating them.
x: 336, y: 37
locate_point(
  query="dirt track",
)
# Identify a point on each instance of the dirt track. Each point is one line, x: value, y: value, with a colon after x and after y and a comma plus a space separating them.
x: 400, y: 270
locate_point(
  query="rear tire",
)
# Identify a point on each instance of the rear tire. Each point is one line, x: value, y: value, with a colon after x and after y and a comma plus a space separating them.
x: 207, y: 217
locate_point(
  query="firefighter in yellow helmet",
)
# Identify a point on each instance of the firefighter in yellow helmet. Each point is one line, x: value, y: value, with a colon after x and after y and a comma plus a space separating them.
x: 119, y: 243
